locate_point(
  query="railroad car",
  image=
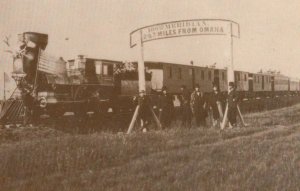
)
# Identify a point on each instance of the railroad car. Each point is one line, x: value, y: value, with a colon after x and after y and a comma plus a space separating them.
x: 175, y: 75
x: 294, y: 85
x: 249, y: 85
x: 281, y: 84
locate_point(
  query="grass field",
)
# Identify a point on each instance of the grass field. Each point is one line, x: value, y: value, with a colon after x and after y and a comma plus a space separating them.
x: 263, y: 156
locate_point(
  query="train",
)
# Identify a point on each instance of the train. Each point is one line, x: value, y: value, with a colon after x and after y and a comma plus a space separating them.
x: 249, y: 85
x: 84, y: 84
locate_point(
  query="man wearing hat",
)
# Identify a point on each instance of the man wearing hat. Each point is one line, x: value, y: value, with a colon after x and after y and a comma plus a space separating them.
x: 166, y: 108
x: 185, y: 108
x: 232, y: 104
x: 198, y: 105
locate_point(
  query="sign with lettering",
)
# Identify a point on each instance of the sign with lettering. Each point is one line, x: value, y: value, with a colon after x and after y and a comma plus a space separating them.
x: 184, y: 28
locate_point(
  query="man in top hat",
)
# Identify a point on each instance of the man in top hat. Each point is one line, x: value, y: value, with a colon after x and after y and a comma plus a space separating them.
x: 198, y: 105
x: 166, y: 108
x: 185, y: 108
x: 232, y: 100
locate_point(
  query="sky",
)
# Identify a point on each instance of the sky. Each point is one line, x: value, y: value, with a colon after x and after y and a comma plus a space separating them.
x: 269, y: 31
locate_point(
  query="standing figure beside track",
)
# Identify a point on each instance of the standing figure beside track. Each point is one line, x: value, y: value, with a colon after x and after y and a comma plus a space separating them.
x: 166, y: 108
x: 216, y: 106
x: 144, y: 111
x: 198, y: 105
x: 232, y: 104
x: 185, y: 108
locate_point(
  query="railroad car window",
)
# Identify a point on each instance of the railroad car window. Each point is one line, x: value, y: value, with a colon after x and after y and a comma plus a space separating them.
x: 170, y: 72
x: 110, y: 70
x: 202, y: 74
x: 209, y: 75
x: 223, y: 76
x: 179, y: 73
x: 245, y: 77
x: 98, y: 67
x: 257, y: 79
x: 190, y: 71
x: 107, y: 70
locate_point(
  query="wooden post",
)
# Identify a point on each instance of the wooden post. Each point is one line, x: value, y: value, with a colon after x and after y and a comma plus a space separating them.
x: 141, y: 66
x: 225, y: 120
x: 142, y: 83
x: 135, y: 115
x: 4, y: 91
x: 156, y: 119
x: 241, y: 116
x: 230, y: 66
x: 230, y: 75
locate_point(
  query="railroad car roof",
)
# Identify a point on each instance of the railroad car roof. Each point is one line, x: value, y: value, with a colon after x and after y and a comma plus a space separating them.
x: 98, y: 59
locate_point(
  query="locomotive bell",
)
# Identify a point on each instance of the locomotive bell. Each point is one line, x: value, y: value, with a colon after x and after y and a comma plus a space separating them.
x: 30, y: 44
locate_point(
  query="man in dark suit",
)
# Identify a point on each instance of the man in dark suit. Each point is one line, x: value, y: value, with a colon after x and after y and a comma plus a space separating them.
x: 166, y: 108
x: 185, y: 108
x: 198, y: 105
x: 232, y: 104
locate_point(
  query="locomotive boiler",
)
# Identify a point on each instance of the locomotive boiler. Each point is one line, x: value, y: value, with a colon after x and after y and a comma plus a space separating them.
x: 54, y: 86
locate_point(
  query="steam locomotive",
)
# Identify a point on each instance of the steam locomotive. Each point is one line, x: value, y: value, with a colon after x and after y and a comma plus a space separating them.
x: 87, y: 84
x: 54, y: 86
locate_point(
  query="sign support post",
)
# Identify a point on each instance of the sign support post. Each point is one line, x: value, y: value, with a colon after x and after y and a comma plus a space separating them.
x: 230, y: 78
x: 141, y: 65
x: 183, y: 28
x: 142, y: 84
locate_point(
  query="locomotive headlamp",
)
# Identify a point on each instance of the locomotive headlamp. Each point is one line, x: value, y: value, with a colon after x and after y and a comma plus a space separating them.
x: 43, y: 102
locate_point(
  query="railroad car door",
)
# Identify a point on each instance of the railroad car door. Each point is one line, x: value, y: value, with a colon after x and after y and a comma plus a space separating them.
x: 250, y: 81
x: 272, y: 84
x: 216, y: 81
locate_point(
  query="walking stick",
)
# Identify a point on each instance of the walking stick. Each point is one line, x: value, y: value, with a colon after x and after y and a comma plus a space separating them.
x: 241, y: 117
x: 225, y: 119
x: 157, y: 121
x: 135, y: 115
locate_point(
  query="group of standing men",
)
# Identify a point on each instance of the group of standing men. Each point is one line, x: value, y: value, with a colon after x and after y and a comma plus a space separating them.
x: 198, y: 104
x: 195, y: 105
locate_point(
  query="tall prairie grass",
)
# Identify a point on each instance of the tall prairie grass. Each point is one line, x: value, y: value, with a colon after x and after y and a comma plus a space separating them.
x: 263, y: 156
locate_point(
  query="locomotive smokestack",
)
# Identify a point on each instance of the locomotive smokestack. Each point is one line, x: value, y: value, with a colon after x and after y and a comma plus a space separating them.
x: 31, y: 43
